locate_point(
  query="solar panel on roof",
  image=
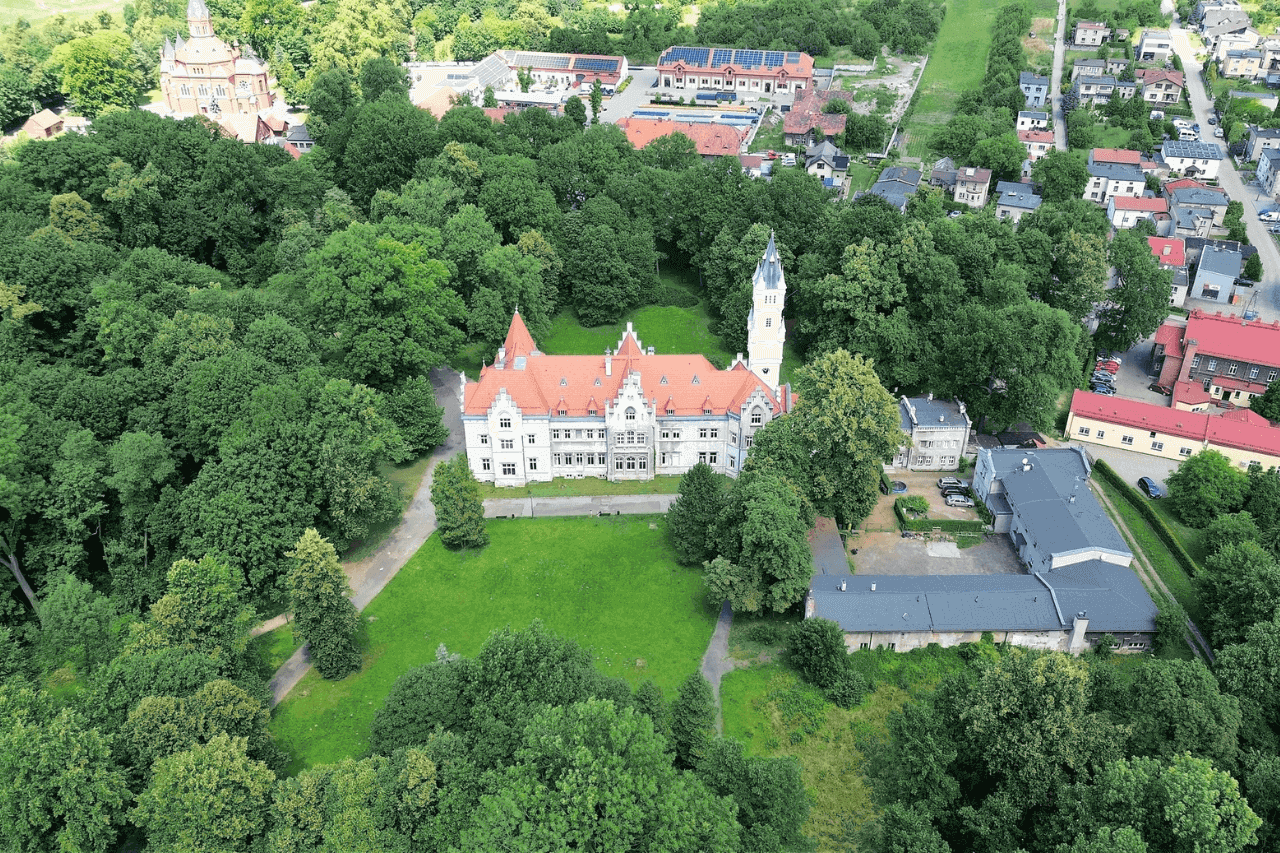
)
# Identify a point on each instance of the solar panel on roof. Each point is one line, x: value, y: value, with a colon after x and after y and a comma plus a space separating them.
x: 688, y: 55
x: 721, y: 57
x: 793, y: 58
x: 603, y: 65
x: 773, y: 58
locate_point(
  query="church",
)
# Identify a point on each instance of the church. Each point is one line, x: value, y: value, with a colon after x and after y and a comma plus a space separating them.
x: 631, y: 413
x: 205, y: 75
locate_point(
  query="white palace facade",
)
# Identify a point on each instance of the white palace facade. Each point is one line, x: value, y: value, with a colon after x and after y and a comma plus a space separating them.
x: 630, y: 414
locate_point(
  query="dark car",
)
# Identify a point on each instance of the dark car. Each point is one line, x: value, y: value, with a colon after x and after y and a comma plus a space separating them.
x: 1104, y: 390
x: 954, y: 490
x: 1150, y: 488
x: 1103, y: 377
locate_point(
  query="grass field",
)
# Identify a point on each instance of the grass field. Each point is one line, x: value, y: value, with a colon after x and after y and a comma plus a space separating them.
x: 612, y: 584
x: 34, y: 11
x: 957, y: 64
x: 274, y: 647
x: 1158, y: 555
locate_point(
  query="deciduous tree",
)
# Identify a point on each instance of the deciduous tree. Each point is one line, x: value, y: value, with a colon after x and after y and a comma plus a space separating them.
x: 459, y: 509
x: 692, y: 517
x: 1204, y: 487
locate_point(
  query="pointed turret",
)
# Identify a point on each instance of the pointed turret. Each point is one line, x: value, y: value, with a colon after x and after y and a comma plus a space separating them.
x: 766, y: 333
x: 519, y: 342
x: 198, y: 19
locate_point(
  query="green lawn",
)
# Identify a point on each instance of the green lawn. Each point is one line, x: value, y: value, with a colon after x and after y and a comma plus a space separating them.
x: 665, y: 328
x: 38, y: 10
x: 564, y: 488
x: 612, y: 584
x: 274, y: 647
x: 408, y: 476
x: 1158, y: 555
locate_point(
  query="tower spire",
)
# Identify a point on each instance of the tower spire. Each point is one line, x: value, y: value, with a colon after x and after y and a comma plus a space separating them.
x: 766, y: 333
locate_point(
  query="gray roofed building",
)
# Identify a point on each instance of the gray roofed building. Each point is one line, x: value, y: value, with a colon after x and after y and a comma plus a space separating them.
x: 1196, y: 196
x: 1014, y: 200
x: 1092, y: 67
x: 896, y: 185
x: 1191, y: 149
x: 1116, y: 172
x: 937, y: 432
x: 1035, y: 88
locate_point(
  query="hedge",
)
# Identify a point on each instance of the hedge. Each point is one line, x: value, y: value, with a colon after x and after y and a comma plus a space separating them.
x: 1143, y: 506
x: 947, y: 525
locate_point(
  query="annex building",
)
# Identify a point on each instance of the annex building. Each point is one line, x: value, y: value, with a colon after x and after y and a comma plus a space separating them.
x: 723, y: 69
x: 631, y: 413
x: 205, y: 75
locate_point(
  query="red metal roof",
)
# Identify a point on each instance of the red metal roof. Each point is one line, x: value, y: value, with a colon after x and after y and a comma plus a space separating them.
x: 1192, y: 425
x: 1036, y: 136
x: 1170, y: 334
x: 1231, y: 337
x: 1171, y: 252
x: 1116, y: 155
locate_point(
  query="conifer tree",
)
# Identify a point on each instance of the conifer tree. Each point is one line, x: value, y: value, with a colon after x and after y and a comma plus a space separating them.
x: 324, y: 616
x: 693, y: 719
x: 692, y: 517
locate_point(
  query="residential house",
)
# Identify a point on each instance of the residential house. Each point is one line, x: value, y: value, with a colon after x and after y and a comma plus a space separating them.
x: 1037, y: 142
x: 1126, y: 212
x: 1261, y: 138
x: 1238, y: 32
x: 1191, y: 158
x: 1196, y: 210
x: 1245, y: 38
x: 1014, y: 200
x: 45, y: 124
x: 299, y: 138
x: 1125, y: 89
x: 1171, y: 254
x: 631, y: 414
x: 729, y: 70
x: 827, y: 161
x: 1095, y: 91
x: 1077, y: 589
x: 943, y: 174
x: 1270, y: 47
x: 1124, y: 156
x: 1242, y: 63
x: 937, y: 434
x: 1268, y: 173
x: 972, y: 186
x: 896, y: 185
x: 1035, y: 88
x: 1107, y: 179
x: 710, y: 139
x: 1211, y: 13
x: 1088, y: 68
x: 1154, y: 46
x: 1161, y: 86
x: 1216, y: 273
x: 806, y: 116
x: 1216, y: 357
x: 1032, y: 120
x: 1091, y: 33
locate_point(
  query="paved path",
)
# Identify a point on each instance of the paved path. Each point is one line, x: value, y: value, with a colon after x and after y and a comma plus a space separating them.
x: 590, y: 505
x: 1268, y: 290
x: 1055, y: 82
x: 1149, y: 576
x: 716, y: 662
x: 369, y: 576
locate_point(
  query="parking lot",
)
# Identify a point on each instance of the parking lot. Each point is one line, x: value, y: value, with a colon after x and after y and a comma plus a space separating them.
x: 890, y: 554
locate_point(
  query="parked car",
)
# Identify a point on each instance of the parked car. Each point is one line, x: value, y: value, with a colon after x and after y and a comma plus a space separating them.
x: 1160, y: 389
x: 1217, y: 132
x: 952, y: 482
x: 1150, y: 488
x: 1104, y: 390
x: 1273, y: 228
x: 959, y: 500
x: 954, y: 490
x: 1269, y: 216
x: 1213, y: 119
x: 1109, y: 356
x: 1109, y: 366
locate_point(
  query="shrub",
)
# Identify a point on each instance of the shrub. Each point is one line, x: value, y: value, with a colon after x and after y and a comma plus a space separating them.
x: 816, y: 650
x: 768, y: 633
x: 848, y: 690
x: 1171, y: 627
x: 914, y: 503
x: 674, y: 296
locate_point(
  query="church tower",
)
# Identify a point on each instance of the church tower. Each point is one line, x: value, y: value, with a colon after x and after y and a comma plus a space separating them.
x: 765, y: 332
x: 198, y: 19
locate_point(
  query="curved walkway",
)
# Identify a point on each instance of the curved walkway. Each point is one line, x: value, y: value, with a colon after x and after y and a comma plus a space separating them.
x: 716, y: 662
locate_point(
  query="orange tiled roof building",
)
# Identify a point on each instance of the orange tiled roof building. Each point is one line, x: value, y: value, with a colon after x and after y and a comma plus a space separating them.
x: 204, y: 74
x: 629, y: 414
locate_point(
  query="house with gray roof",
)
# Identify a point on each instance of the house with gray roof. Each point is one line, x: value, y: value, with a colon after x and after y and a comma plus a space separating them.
x: 1269, y: 171
x: 1014, y: 200
x: 937, y: 433
x: 896, y: 185
x: 1154, y: 46
x: 1261, y: 138
x: 1078, y: 586
x: 1216, y: 273
x: 1032, y: 120
x: 1095, y: 90
x: 1107, y: 179
x: 1205, y: 202
x: 1035, y: 88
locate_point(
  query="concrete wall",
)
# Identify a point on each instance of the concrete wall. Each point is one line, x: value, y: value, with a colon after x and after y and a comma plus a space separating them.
x: 905, y: 641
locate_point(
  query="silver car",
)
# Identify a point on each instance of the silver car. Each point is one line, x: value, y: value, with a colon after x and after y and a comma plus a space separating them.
x: 959, y: 500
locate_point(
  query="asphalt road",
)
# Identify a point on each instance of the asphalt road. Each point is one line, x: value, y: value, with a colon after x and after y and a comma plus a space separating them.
x: 1055, y: 84
x: 635, y: 96
x: 1267, y: 303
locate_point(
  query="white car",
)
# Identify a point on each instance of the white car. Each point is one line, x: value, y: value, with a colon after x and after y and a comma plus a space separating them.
x: 1269, y: 216
x: 959, y: 500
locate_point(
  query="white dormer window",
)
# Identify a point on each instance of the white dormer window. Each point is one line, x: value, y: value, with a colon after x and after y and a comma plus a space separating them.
x: 563, y: 382
x: 630, y: 414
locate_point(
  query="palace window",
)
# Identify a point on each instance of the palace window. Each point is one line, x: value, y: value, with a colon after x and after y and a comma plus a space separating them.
x: 203, y: 90
x: 1195, y: 361
x: 508, y: 469
x: 1157, y: 445
x: 757, y: 417
x: 533, y: 464
x: 1231, y: 371
x: 486, y: 465
x: 508, y: 444
x: 555, y: 434
x: 1253, y: 372
x: 702, y: 432
x: 555, y: 460
x: 484, y: 439
x: 1126, y: 439
x: 504, y: 423
x: 715, y: 433
x: 591, y: 458
x: 1184, y: 451
x: 617, y: 464
x: 529, y: 439
x: 768, y: 322
x: 750, y: 441
x: 185, y: 90
x: 1082, y: 431
x: 702, y: 457
x: 631, y: 414
x: 1213, y: 364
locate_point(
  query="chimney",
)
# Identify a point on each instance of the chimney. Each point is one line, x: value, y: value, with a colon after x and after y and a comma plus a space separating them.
x: 501, y: 360
x: 608, y: 363
x: 1079, y: 625
x: 842, y: 584
x: 651, y: 351
x: 873, y: 587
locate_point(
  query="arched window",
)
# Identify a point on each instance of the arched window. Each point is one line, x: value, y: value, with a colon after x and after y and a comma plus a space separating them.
x: 757, y: 417
x: 185, y: 90
x: 630, y: 414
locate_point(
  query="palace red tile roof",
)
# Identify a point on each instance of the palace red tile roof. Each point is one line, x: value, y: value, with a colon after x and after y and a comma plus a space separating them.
x: 1231, y: 337
x: 1198, y: 426
x: 576, y: 384
x: 1026, y: 136
x: 1168, y: 251
x: 806, y: 114
x: 1145, y: 203
x: 710, y: 139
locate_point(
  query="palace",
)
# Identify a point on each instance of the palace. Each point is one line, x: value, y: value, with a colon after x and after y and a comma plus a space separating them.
x: 630, y: 414
x: 204, y: 74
